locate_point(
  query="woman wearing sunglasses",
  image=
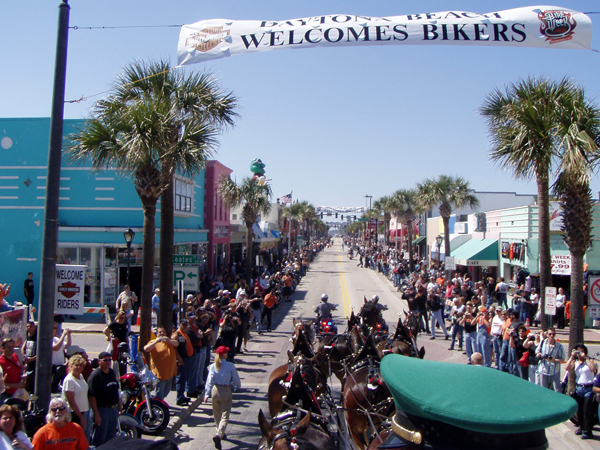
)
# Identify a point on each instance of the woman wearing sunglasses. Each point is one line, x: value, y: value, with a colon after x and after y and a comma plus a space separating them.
x: 59, y: 433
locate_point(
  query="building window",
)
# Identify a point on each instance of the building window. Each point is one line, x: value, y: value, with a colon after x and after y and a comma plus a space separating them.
x: 183, y: 195
x: 216, y: 204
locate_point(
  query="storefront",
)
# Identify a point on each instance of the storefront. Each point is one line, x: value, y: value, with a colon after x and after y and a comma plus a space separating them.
x: 477, y: 257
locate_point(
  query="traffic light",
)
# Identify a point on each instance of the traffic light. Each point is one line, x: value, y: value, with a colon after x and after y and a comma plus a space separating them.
x: 336, y: 215
x: 321, y: 215
x: 355, y: 218
x: 342, y: 217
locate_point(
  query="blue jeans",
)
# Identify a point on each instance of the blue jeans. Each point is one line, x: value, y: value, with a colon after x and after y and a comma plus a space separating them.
x: 193, y: 371
x: 437, y: 315
x: 457, y: 330
x: 163, y: 387
x: 484, y: 346
x: 504, y: 356
x: 423, y: 325
x: 470, y: 344
x: 256, y: 318
x: 502, y: 300
x: 514, y: 367
x: 182, y: 381
x: 497, y: 344
x: 109, y: 422
x: 200, y: 370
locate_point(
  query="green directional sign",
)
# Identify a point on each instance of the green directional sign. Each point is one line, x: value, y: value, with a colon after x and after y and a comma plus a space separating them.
x: 189, y: 276
x: 187, y: 259
x: 363, y: 219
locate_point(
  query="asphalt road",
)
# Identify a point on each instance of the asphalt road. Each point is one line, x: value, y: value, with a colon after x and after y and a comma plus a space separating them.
x: 346, y: 284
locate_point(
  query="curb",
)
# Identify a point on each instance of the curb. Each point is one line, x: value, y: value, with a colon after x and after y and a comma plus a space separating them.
x: 185, y: 413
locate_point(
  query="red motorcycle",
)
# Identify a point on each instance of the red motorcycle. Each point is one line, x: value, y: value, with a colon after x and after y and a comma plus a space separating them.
x: 154, y: 413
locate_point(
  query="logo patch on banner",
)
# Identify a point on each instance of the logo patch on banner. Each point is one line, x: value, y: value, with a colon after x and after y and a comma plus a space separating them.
x: 557, y: 26
x: 69, y: 290
x: 207, y: 39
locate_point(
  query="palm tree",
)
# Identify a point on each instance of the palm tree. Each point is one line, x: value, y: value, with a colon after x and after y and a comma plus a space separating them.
x: 307, y: 214
x: 578, y: 131
x: 254, y: 200
x: 386, y: 205
x: 407, y: 206
x: 522, y: 124
x: 449, y: 193
x: 141, y: 131
x: 293, y: 214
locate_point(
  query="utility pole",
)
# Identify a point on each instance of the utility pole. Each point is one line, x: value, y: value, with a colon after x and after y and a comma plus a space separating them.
x: 43, y: 364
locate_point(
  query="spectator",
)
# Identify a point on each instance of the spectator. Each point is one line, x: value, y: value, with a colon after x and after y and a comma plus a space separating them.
x: 470, y: 332
x: 125, y: 304
x: 116, y: 332
x: 77, y: 350
x: 11, y: 368
x: 60, y: 433
x: 477, y: 359
x: 207, y: 331
x: 502, y: 292
x: 29, y: 288
x: 198, y: 358
x: 11, y: 429
x: 287, y: 285
x: 75, y: 392
x: 521, y: 342
x: 222, y: 375
x: 184, y: 369
x: 29, y: 351
x: 504, y: 352
x: 550, y: 354
x: 244, y: 329
x: 105, y: 401
x: 228, y: 331
x: 436, y: 305
x: 536, y: 315
x: 458, y: 310
x: 59, y: 345
x: 484, y: 342
x: 583, y: 368
x: 421, y: 300
x: 256, y: 306
x: 496, y: 331
x: 163, y: 361
x: 561, y: 300
x: 269, y: 303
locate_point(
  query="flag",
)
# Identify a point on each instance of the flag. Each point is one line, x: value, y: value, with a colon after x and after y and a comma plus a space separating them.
x: 416, y: 222
x: 286, y: 199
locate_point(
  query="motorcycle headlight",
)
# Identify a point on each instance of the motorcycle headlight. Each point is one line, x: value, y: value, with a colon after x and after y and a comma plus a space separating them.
x: 124, y: 397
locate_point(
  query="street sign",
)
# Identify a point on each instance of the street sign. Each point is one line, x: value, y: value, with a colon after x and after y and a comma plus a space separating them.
x: 594, y: 311
x: 449, y: 263
x: 594, y: 290
x: 362, y: 219
x: 550, y: 297
x: 69, y: 289
x: 189, y: 276
x: 187, y: 259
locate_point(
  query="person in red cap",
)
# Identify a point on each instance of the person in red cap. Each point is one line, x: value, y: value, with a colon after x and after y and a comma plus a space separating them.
x: 222, y: 375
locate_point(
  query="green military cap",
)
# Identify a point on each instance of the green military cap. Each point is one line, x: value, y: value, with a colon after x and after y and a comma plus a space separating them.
x: 455, y: 405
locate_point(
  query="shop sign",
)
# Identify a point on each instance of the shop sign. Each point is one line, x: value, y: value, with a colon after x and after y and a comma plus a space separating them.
x: 449, y: 263
x: 189, y: 276
x: 69, y: 289
x: 187, y: 259
x: 550, y: 297
x: 594, y: 291
x: 561, y: 264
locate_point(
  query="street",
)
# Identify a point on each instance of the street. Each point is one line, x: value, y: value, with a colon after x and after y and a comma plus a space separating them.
x: 346, y: 284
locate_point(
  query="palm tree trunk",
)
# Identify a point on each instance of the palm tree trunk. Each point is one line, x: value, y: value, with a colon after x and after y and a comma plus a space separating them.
x: 577, y: 320
x: 249, y: 251
x: 149, y: 206
x: 167, y: 233
x: 411, y: 266
x: 544, y: 242
x: 446, y: 221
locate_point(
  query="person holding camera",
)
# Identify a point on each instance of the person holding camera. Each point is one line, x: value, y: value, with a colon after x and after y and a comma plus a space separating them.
x: 550, y: 355
x: 521, y: 343
x: 584, y: 370
x: 230, y: 322
x: 484, y: 339
x: 458, y: 310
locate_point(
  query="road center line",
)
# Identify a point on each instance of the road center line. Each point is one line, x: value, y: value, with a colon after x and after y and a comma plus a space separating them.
x: 344, y: 288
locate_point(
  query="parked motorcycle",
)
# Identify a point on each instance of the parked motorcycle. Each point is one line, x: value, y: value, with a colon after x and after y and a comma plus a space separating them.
x: 152, y: 413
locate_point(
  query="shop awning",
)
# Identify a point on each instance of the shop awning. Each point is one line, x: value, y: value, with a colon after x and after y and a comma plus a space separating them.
x: 419, y: 240
x: 260, y: 236
x: 276, y: 234
x: 477, y: 252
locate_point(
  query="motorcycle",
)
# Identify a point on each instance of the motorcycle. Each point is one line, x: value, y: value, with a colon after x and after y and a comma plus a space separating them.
x: 350, y: 256
x: 151, y: 413
x: 326, y: 325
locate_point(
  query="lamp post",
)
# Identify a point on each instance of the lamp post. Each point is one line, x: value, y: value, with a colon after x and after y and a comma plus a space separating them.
x: 368, y: 227
x: 439, y: 238
x: 129, y: 235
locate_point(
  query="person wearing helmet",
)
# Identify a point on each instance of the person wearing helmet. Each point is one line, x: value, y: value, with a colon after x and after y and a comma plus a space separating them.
x: 324, y: 309
x: 380, y: 307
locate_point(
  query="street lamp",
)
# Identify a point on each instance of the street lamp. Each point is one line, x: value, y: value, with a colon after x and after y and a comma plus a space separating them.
x: 129, y: 235
x: 439, y: 238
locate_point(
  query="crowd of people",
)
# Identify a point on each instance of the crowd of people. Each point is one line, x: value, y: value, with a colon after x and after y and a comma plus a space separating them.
x: 490, y: 322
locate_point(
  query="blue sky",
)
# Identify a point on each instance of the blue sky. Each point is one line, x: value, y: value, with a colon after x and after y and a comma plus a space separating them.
x: 333, y: 124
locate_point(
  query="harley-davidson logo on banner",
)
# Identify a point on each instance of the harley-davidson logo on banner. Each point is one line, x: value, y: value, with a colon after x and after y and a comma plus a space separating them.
x: 70, y: 286
x: 535, y: 26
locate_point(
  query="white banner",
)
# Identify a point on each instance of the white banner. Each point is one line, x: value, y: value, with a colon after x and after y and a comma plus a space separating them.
x: 560, y: 264
x: 534, y: 26
x: 69, y: 290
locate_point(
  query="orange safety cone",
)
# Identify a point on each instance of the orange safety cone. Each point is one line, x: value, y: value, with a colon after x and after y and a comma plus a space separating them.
x: 527, y: 325
x: 138, y: 322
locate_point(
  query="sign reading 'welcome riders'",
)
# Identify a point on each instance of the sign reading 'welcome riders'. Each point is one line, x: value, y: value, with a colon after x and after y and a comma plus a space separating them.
x: 536, y: 26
